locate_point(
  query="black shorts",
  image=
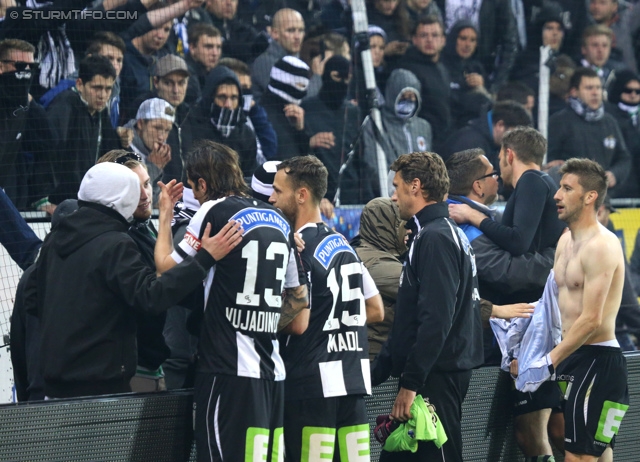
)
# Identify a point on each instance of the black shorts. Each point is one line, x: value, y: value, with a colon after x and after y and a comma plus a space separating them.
x: 311, y: 426
x: 548, y: 396
x: 594, y: 381
x: 238, y: 418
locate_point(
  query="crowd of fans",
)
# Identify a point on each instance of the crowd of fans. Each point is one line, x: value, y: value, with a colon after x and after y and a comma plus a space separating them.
x: 279, y: 79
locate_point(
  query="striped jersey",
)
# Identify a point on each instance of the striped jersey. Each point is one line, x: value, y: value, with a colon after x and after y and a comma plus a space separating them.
x: 331, y: 358
x: 243, y: 291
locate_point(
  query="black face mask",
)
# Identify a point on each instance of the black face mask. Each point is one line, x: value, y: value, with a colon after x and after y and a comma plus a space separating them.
x: 14, y: 89
x: 333, y: 93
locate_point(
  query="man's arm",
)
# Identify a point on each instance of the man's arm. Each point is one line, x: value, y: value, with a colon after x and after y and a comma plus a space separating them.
x: 373, y: 301
x: 294, y: 318
x: 218, y: 246
x: 599, y: 262
x: 164, y: 241
x: 508, y: 274
x: 375, y: 309
x: 621, y: 162
x: 558, y: 133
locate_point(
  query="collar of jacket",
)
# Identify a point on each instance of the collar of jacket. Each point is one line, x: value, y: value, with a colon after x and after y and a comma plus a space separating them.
x: 473, y: 204
x: 276, y: 50
x: 427, y: 214
x: 413, y: 54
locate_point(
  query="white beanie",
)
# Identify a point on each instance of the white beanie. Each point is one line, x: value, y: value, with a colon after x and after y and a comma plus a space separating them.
x: 112, y: 185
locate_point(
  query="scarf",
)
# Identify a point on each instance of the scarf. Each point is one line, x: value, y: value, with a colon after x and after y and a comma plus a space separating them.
x: 632, y: 111
x: 226, y: 120
x: 584, y: 111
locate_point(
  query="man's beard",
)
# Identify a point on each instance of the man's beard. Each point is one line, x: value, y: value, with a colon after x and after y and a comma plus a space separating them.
x: 571, y: 216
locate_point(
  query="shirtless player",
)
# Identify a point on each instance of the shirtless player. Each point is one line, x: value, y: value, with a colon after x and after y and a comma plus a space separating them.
x: 589, y: 271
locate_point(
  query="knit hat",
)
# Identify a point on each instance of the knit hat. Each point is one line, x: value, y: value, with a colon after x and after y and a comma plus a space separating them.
x: 289, y: 79
x: 620, y: 82
x: 156, y: 108
x: 551, y: 12
x: 262, y: 180
x: 112, y: 185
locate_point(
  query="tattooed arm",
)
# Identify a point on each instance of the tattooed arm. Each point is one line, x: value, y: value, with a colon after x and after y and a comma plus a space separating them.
x: 294, y: 318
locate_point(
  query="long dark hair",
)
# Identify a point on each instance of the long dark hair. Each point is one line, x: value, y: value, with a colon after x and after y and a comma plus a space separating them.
x: 219, y: 167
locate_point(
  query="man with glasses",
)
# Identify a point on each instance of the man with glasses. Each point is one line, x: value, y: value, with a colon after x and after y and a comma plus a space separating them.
x: 220, y: 117
x: 529, y: 224
x: 423, y: 59
x: 474, y: 181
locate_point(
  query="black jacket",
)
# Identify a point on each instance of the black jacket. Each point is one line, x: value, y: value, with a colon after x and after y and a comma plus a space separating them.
x: 343, y: 123
x: 80, y: 140
x: 239, y: 40
x: 436, y: 93
x: 291, y: 142
x: 498, y: 39
x: 242, y: 138
x: 478, y: 133
x: 437, y: 323
x: 631, y: 135
x: 90, y: 281
x: 25, y: 343
x: 466, y: 102
x: 152, y: 349
x: 572, y: 136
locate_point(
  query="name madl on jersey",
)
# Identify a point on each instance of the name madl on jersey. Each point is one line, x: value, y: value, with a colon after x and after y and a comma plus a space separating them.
x: 347, y: 341
x: 252, y: 320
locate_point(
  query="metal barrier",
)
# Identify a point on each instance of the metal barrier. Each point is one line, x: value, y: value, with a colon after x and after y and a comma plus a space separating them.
x: 158, y: 427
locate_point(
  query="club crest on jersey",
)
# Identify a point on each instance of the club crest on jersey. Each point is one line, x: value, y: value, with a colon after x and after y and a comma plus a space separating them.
x: 329, y: 248
x: 252, y: 218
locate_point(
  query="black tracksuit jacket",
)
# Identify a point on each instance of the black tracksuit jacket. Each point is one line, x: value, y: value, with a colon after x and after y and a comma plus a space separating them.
x: 437, y: 324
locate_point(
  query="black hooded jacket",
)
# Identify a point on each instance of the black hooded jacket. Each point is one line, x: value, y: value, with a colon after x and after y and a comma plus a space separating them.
x: 466, y: 102
x: 90, y: 280
x: 242, y: 138
x: 498, y: 40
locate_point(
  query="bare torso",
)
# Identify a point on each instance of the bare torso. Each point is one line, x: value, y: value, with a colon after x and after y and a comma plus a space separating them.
x: 574, y: 259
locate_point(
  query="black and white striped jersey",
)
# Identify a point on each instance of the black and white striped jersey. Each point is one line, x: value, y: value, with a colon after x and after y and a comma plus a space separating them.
x: 331, y: 358
x: 243, y: 291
